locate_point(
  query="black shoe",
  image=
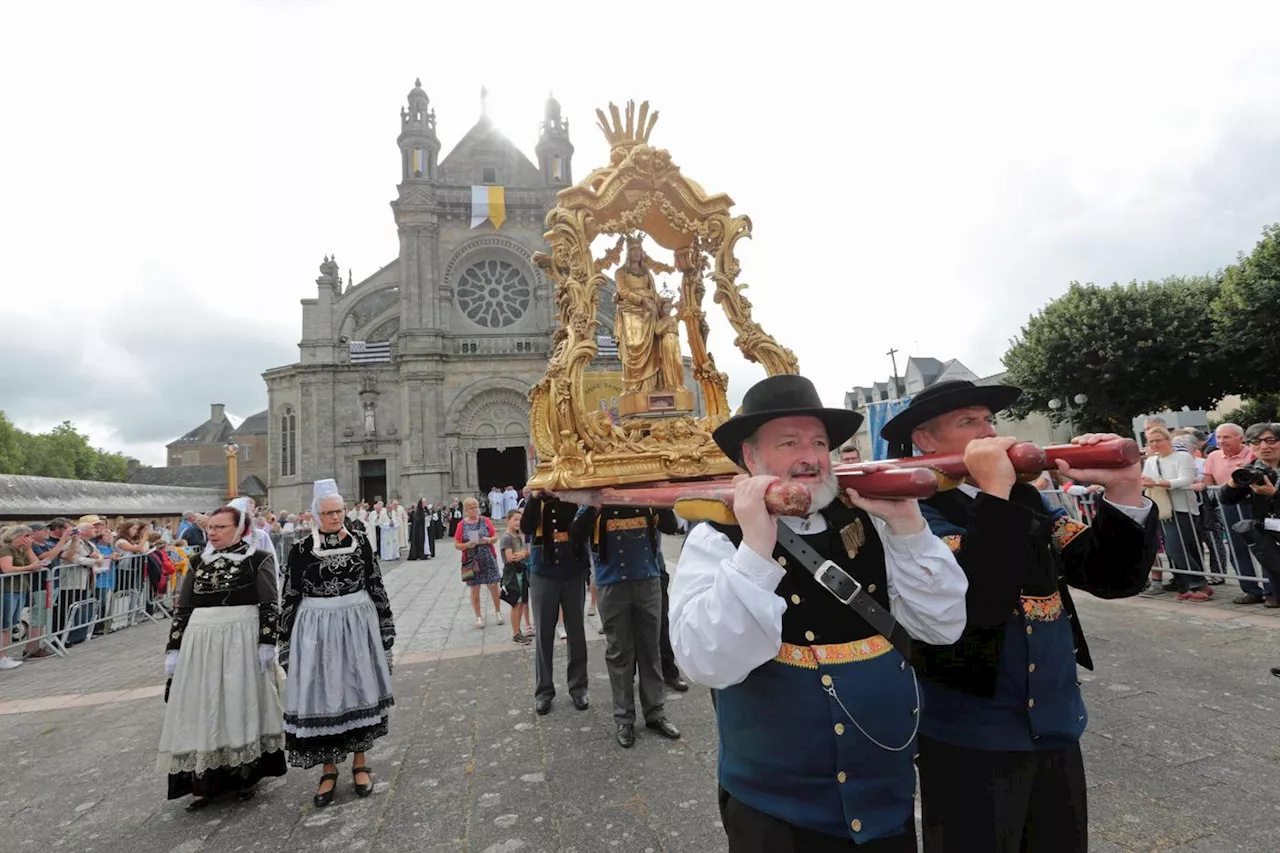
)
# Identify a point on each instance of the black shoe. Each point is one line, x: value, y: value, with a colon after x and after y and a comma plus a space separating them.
x: 677, y: 684
x: 626, y: 735
x: 664, y: 728
x: 199, y: 804
x: 244, y: 795
x: 582, y: 703
x: 1275, y: 670
x: 322, y: 800
x: 542, y: 706
x: 362, y: 790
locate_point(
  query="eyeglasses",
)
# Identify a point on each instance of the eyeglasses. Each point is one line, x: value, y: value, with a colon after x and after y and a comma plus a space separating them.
x: 1254, y: 442
x: 331, y: 512
x: 221, y: 527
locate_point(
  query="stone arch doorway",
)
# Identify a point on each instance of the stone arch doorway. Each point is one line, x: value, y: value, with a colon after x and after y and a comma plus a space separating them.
x: 489, y: 436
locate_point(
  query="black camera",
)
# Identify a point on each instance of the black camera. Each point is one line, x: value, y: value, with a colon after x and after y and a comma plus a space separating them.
x: 1254, y: 474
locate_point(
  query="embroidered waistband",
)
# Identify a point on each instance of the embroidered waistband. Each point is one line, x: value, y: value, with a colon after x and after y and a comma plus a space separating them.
x: 1065, y: 530
x: 560, y: 536
x: 808, y: 657
x: 1042, y: 609
x: 626, y: 523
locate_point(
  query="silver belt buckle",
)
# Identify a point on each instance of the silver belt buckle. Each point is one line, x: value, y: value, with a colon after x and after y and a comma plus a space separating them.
x: 838, y: 582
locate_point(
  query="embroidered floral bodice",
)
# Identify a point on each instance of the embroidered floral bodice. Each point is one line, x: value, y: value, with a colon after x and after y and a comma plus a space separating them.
x: 328, y: 565
x: 229, y: 577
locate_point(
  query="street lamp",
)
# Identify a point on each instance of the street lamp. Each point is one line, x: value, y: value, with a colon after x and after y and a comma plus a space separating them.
x: 1079, y: 400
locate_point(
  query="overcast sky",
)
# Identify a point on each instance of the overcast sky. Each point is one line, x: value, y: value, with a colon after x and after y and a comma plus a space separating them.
x: 923, y: 181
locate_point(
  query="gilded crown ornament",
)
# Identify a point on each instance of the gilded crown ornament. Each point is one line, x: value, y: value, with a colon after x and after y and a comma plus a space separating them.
x: 642, y: 200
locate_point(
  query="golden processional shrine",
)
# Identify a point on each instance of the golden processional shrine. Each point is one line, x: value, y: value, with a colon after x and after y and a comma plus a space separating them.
x: 640, y: 196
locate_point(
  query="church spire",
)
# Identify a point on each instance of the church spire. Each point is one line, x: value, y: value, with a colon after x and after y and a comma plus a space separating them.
x: 419, y: 145
x: 555, y: 151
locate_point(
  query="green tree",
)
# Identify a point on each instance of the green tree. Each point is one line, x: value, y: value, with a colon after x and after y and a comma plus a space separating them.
x: 62, y: 452
x: 1131, y: 349
x: 1256, y: 410
x: 10, y: 446
x: 1246, y: 315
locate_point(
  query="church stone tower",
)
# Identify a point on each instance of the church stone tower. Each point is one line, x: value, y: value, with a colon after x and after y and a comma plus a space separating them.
x: 465, y: 314
x: 555, y: 151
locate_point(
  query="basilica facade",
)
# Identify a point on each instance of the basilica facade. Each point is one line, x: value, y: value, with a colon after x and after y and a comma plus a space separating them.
x: 413, y: 383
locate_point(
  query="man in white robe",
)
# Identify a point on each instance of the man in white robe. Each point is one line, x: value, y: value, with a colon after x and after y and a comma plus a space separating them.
x: 401, y: 518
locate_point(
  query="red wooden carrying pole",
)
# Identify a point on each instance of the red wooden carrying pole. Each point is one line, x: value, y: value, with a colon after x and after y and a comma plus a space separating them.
x: 917, y: 477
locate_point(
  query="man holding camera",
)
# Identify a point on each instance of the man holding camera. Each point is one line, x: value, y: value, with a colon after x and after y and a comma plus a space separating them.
x: 1233, y: 453
x: 1254, y: 486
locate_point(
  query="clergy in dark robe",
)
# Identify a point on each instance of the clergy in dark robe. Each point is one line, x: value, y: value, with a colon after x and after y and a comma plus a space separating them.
x: 1000, y: 763
x: 417, y: 530
x: 435, y: 514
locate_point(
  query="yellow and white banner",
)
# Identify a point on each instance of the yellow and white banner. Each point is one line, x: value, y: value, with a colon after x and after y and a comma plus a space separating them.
x: 489, y: 203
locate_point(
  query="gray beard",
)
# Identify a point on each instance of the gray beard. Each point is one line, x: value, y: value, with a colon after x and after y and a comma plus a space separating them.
x: 824, y: 493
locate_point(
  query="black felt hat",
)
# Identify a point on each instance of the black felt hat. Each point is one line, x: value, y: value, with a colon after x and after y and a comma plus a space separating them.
x: 782, y: 396
x: 938, y: 399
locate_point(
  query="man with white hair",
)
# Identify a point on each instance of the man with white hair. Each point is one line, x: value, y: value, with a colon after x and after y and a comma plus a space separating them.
x: 802, y: 628
x: 1233, y: 453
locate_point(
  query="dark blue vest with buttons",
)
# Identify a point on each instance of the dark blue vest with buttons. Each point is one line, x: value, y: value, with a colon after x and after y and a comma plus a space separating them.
x: 626, y: 545
x: 1037, y: 703
x: 822, y: 737
x: 552, y: 553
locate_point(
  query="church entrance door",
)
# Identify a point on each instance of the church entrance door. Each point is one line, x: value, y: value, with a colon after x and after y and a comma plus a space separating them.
x: 501, y: 468
x: 373, y: 480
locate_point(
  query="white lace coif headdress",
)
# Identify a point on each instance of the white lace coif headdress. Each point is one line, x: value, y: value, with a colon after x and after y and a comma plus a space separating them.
x: 322, y: 489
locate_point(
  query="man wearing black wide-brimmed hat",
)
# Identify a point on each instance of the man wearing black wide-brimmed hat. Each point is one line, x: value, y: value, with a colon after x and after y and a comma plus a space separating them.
x: 1000, y: 763
x: 801, y: 626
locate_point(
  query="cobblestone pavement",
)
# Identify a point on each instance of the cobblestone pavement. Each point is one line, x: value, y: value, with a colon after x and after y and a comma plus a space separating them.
x: 1182, y: 748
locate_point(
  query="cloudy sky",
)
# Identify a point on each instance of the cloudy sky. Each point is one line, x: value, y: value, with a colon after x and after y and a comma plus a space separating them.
x: 922, y: 178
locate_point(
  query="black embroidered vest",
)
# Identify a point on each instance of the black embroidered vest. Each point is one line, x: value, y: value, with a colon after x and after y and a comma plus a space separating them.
x: 972, y: 664
x: 814, y: 616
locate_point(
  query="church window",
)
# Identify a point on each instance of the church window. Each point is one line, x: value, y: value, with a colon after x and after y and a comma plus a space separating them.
x: 489, y: 176
x: 493, y: 293
x: 288, y: 443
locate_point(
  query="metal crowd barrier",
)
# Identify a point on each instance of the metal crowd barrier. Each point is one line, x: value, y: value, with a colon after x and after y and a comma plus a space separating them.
x: 1204, y: 545
x: 67, y: 604
x: 64, y: 605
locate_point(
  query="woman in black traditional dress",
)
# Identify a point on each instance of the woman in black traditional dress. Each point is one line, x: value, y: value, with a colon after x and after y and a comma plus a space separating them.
x: 336, y: 634
x: 223, y: 727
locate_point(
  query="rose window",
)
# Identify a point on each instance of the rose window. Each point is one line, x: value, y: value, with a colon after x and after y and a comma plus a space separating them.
x: 493, y: 294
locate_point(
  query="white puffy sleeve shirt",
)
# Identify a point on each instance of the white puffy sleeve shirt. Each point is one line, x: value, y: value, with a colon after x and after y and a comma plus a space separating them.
x: 726, y: 618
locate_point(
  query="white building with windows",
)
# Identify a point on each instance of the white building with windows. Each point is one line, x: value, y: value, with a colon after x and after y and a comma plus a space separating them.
x: 413, y: 383
x: 918, y: 375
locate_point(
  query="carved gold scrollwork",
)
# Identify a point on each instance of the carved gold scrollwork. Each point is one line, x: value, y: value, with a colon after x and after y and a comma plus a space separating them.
x: 641, y: 191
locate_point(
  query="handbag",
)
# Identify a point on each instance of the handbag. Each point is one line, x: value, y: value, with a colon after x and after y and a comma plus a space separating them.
x: 1164, y: 504
x: 1160, y: 496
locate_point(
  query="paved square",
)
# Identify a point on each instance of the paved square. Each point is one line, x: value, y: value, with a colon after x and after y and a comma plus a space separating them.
x: 1182, y: 748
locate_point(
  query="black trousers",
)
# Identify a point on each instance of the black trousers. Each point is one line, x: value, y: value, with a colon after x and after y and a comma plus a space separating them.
x: 1002, y: 802
x: 751, y: 831
x: 669, y: 668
